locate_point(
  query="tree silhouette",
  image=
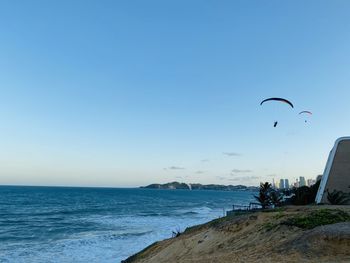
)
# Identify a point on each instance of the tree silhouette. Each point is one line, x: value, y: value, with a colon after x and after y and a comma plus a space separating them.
x: 276, y: 198
x: 264, y: 195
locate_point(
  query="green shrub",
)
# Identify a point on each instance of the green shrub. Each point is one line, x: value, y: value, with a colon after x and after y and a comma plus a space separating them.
x: 305, y: 195
x: 318, y: 218
x: 337, y: 197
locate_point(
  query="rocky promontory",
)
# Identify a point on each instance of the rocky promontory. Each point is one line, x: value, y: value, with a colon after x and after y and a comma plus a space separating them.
x: 184, y: 186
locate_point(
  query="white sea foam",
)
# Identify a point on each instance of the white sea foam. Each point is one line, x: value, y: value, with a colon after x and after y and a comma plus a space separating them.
x: 131, y: 235
x: 89, y: 225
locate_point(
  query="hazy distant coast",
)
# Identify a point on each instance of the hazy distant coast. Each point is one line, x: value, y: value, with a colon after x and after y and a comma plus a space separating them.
x: 184, y: 186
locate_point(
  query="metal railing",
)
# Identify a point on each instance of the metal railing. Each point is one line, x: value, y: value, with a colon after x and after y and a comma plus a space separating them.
x: 244, y: 208
x: 251, y: 206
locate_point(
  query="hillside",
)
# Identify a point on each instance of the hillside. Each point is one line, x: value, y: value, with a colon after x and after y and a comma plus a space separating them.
x: 292, y: 234
x: 177, y: 185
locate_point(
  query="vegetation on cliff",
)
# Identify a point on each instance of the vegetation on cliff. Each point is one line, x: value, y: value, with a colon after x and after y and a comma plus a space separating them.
x: 296, y: 233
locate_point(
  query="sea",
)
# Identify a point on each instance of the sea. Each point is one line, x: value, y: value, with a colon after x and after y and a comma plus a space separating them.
x: 76, y: 224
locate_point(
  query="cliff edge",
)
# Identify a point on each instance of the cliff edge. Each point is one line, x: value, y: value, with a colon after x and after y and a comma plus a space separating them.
x: 290, y: 234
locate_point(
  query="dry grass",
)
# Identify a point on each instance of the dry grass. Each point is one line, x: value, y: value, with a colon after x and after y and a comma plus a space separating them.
x: 260, y: 237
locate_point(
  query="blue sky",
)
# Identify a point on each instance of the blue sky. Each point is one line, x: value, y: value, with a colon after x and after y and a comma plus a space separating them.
x: 126, y: 93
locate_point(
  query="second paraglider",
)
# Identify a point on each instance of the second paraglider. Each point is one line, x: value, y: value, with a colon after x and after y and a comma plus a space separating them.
x: 306, y: 112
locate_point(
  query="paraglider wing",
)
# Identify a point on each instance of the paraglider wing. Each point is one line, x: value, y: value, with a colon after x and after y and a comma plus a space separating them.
x: 278, y: 99
x: 305, y: 111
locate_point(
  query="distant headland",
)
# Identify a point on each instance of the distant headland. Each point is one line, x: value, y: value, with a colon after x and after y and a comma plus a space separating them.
x: 184, y: 186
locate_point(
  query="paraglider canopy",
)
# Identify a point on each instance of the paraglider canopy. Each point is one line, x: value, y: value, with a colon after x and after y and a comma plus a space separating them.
x: 278, y: 99
x: 306, y: 111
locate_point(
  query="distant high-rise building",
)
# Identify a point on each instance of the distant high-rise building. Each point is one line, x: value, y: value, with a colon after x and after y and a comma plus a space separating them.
x: 302, y: 181
x: 296, y: 183
x: 310, y: 182
x: 286, y: 183
x: 281, y: 186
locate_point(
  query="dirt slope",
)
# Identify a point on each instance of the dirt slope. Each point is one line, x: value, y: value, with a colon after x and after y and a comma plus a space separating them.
x: 260, y: 237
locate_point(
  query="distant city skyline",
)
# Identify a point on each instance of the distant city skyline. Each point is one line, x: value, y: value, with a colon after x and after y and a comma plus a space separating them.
x: 124, y: 94
x: 284, y: 183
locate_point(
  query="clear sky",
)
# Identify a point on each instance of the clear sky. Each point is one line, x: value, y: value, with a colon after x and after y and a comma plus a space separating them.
x: 127, y: 93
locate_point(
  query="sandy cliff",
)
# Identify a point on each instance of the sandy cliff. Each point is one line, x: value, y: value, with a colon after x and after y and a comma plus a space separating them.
x: 293, y: 234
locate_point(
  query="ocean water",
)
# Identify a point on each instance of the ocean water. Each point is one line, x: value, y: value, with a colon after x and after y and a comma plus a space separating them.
x: 71, y: 224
